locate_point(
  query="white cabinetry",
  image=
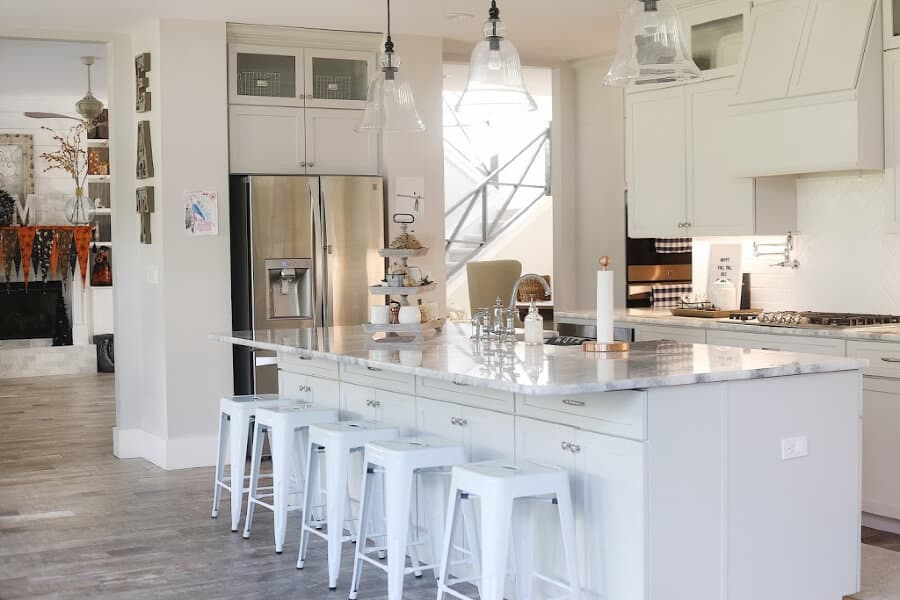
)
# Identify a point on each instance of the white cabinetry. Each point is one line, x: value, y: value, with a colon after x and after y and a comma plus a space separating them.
x: 892, y: 137
x: 607, y: 477
x: 656, y: 163
x: 267, y: 140
x: 333, y: 147
x: 379, y: 406
x: 891, y: 24
x: 779, y: 343
x: 677, y: 164
x: 323, y: 392
x: 485, y: 434
x: 295, y: 105
x: 685, y: 335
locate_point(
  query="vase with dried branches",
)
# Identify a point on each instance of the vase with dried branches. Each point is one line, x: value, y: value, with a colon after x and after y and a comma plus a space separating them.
x: 72, y: 158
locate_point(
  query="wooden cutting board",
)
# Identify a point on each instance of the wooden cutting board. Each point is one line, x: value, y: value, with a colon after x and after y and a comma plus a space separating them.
x: 712, y: 314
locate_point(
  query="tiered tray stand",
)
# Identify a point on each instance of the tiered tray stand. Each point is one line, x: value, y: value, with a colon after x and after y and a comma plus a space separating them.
x: 408, y: 331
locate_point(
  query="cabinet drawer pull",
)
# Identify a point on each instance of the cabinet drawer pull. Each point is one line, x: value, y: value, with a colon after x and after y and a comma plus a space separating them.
x: 304, y: 388
x: 302, y: 357
x: 771, y: 349
x: 460, y: 384
x: 374, y: 369
x: 375, y: 404
x: 890, y: 359
x: 573, y: 402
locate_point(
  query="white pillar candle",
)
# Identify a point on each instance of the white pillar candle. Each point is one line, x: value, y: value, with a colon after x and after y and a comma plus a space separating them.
x: 605, y: 301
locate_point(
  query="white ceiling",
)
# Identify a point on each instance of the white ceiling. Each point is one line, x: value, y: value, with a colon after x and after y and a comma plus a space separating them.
x: 51, y: 68
x: 544, y: 30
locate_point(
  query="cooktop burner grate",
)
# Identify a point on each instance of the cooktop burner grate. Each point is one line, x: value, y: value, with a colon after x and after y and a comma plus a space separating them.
x: 848, y: 319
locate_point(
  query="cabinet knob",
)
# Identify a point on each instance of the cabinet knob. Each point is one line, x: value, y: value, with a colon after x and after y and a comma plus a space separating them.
x: 376, y: 404
x: 566, y: 446
x: 304, y: 388
x: 303, y: 164
x: 454, y: 421
x: 575, y: 448
x: 312, y: 164
x: 462, y: 422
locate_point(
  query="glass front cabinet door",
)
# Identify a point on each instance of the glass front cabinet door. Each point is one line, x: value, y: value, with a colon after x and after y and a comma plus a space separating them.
x: 337, y: 78
x: 266, y: 75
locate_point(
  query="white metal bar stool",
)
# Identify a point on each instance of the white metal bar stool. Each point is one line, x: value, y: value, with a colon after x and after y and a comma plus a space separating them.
x: 500, y: 487
x: 402, y: 462
x: 287, y: 428
x: 339, y: 440
x: 235, y: 415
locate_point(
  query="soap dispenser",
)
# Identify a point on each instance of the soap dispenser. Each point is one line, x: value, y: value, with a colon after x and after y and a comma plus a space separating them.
x: 534, y: 325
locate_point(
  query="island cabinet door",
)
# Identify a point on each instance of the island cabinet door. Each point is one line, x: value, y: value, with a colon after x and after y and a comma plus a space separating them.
x: 609, y: 512
x: 396, y: 410
x: 440, y: 419
x: 357, y: 402
x: 488, y: 435
x: 323, y: 392
x: 552, y: 445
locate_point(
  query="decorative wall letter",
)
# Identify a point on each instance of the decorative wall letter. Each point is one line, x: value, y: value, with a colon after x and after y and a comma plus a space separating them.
x: 144, y: 151
x: 142, y: 82
x: 145, y: 206
x: 25, y: 210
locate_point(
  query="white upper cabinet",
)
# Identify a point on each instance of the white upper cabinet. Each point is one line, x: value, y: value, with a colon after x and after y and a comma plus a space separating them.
x: 333, y: 146
x: 656, y: 162
x: 677, y: 164
x: 715, y: 34
x: 267, y: 140
x: 265, y: 75
x: 772, y: 39
x: 337, y: 78
x: 717, y: 203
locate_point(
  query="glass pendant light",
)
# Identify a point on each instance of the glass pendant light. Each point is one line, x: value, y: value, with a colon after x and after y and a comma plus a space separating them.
x: 652, y: 46
x: 390, y: 105
x: 496, y: 84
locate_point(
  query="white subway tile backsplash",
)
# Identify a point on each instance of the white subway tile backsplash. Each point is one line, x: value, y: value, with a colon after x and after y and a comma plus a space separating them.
x: 847, y: 261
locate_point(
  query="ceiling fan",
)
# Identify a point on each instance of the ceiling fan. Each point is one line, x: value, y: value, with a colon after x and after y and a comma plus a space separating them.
x: 89, y: 108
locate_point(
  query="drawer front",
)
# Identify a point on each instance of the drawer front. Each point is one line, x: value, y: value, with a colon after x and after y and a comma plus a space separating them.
x: 781, y: 343
x: 319, y: 367
x: 379, y: 378
x: 685, y: 335
x: 466, y: 395
x: 883, y: 357
x: 623, y: 414
x: 323, y: 392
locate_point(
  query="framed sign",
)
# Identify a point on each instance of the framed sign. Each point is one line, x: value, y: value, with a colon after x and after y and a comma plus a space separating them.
x: 17, y: 165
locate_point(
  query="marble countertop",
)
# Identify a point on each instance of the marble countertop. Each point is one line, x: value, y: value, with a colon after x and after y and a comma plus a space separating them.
x: 646, y: 316
x: 539, y: 370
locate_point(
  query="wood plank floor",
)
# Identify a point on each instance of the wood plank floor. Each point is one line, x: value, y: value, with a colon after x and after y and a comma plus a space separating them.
x: 75, y: 522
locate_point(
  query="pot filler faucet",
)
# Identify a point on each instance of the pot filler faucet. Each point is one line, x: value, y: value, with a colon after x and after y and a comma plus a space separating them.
x: 526, y: 277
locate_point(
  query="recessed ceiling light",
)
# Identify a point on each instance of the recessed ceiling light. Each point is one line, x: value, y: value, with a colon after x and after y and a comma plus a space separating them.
x: 455, y: 15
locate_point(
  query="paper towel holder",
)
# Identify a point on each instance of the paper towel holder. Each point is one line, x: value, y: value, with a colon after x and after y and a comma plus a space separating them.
x: 605, y: 346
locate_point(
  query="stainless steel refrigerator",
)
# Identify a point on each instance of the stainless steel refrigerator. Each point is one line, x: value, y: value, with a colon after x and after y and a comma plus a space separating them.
x: 303, y: 252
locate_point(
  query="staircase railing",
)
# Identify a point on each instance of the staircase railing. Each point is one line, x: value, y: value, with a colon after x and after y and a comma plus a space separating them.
x: 492, y: 217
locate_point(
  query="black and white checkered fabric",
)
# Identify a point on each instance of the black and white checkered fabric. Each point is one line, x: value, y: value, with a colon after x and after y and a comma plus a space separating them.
x: 674, y: 245
x: 668, y: 295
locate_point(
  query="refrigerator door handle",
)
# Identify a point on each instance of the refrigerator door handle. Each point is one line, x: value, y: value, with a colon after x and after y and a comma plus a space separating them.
x: 325, y: 249
x: 318, y: 267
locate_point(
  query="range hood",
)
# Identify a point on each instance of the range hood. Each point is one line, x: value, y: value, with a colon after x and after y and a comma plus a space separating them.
x: 809, y: 94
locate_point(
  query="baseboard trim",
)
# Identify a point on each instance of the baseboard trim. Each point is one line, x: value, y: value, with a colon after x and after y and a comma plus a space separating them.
x: 881, y: 523
x: 170, y: 454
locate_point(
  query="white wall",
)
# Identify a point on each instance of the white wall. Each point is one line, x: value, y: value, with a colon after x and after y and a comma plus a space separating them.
x: 422, y: 154
x: 847, y: 261
x: 589, y: 182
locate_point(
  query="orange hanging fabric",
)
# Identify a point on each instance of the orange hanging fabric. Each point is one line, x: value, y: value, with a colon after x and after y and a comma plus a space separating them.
x: 26, y: 241
x: 54, y: 254
x: 83, y: 250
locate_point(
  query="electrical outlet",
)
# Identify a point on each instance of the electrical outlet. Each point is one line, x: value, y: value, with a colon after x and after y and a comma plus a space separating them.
x: 153, y: 274
x: 796, y: 447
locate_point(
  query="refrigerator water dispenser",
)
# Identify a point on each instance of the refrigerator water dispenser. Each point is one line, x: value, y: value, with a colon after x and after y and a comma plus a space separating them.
x: 289, y: 289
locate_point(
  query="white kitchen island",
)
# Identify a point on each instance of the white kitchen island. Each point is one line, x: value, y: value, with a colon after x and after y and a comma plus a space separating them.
x: 699, y: 472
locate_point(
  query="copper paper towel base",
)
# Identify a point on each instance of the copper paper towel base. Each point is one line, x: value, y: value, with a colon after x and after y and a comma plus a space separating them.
x: 605, y: 347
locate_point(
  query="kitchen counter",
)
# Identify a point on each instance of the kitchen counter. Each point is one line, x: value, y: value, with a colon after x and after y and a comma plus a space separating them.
x: 641, y: 316
x: 684, y: 458
x: 541, y: 370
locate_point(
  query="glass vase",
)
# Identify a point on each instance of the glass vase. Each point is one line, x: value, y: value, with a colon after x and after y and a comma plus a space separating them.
x: 79, y: 210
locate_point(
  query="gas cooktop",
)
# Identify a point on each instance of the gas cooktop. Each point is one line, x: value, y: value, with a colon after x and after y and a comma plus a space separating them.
x: 822, y: 319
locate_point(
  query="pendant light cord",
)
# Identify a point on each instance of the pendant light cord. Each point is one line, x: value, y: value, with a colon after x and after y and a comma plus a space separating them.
x: 389, y: 69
